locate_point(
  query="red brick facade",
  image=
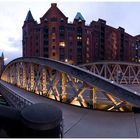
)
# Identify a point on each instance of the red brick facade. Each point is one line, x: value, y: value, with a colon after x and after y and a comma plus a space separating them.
x: 76, y: 42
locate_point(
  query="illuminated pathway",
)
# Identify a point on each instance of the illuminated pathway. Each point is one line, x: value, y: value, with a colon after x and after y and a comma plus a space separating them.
x: 85, y: 123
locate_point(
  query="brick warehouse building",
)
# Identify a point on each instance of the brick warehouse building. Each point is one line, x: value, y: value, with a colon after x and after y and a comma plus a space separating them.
x: 76, y: 43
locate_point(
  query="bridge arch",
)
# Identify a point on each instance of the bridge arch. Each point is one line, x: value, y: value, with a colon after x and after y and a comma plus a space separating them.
x: 69, y: 84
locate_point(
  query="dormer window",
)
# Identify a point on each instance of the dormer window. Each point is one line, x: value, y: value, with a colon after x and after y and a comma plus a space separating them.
x: 62, y: 20
x: 45, y: 19
x: 79, y: 20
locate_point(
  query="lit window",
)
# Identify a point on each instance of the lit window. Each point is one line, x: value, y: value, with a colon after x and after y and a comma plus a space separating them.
x: 79, y: 38
x: 66, y: 60
x: 62, y: 44
x: 53, y: 36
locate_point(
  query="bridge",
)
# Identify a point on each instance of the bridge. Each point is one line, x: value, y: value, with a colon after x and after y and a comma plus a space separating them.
x: 95, y: 86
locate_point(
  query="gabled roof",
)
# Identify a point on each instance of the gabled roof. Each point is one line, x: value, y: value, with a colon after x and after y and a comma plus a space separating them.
x: 53, y: 8
x: 79, y: 16
x: 29, y: 16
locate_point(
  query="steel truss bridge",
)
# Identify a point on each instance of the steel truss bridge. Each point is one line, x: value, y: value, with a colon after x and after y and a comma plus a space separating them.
x: 97, y: 86
x: 119, y: 72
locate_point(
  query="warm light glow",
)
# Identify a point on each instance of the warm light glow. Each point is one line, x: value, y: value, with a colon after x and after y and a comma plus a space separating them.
x: 66, y: 60
x: 62, y: 44
x: 75, y: 102
x: 79, y: 38
x: 52, y: 97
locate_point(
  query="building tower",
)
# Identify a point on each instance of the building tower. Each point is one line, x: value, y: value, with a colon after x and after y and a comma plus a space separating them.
x: 1, y: 63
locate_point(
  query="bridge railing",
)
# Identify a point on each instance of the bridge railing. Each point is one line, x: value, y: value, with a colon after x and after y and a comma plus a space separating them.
x: 69, y: 84
x: 15, y: 100
x: 119, y: 72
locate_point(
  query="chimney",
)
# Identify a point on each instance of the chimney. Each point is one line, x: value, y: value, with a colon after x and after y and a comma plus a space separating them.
x: 53, y: 4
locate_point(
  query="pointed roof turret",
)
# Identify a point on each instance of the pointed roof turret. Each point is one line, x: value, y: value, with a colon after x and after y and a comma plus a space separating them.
x: 79, y: 16
x: 29, y: 17
x: 2, y: 55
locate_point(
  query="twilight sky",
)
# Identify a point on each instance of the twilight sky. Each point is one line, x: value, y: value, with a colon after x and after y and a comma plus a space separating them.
x: 13, y: 14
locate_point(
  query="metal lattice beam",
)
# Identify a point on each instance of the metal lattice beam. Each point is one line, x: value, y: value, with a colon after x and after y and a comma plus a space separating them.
x: 73, y: 85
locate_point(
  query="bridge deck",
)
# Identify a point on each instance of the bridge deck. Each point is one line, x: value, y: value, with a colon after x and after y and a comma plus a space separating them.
x: 84, y: 123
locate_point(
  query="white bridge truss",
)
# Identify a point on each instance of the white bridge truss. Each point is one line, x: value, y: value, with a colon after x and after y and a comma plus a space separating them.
x: 119, y: 72
x: 70, y: 84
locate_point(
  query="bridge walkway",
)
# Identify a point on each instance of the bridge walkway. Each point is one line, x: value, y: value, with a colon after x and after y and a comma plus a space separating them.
x: 85, y: 123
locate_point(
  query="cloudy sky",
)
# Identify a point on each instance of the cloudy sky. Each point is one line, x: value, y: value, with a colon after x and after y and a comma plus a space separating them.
x: 13, y: 14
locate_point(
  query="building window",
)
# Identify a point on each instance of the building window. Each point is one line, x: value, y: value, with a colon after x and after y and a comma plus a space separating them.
x: 62, y: 20
x: 53, y: 53
x: 87, y: 49
x: 79, y: 38
x: 62, y: 44
x: 46, y: 42
x: 53, y: 29
x: 53, y: 35
x: 87, y: 55
x: 70, y: 38
x: 79, y: 43
x: 53, y: 40
x: 62, y: 51
x: 37, y: 51
x: 79, y: 30
x: 87, y: 41
x: 61, y: 29
x: 36, y: 44
x: 62, y: 57
x: 62, y: 35
x: 46, y: 30
x: 53, y: 47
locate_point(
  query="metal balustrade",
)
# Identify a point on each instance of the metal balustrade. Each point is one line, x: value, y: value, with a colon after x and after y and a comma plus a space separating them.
x: 69, y: 84
x: 15, y: 100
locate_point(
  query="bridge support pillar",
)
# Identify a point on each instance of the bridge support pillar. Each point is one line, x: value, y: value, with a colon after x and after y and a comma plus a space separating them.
x: 44, y: 76
x: 93, y: 93
x: 18, y: 75
x: 24, y: 76
x: 64, y: 94
x: 32, y: 77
